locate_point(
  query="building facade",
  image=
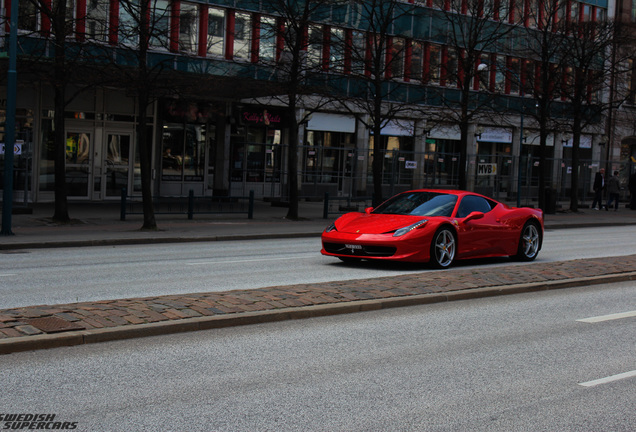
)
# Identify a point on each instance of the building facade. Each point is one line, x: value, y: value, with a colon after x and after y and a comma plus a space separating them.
x: 220, y: 131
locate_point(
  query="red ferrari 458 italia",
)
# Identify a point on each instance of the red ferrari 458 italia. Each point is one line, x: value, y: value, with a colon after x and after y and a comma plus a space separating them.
x: 436, y: 226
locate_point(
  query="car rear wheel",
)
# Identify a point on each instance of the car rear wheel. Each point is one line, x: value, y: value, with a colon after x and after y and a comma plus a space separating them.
x: 443, y: 248
x: 529, y: 242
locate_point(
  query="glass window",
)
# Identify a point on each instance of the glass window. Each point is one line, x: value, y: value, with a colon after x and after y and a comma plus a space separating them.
x: 434, y: 64
x: 96, y: 19
x: 189, y: 27
x: 358, y: 52
x: 267, y: 46
x: 528, y: 73
x: 27, y: 16
x: 242, y: 35
x: 587, y: 13
x: 314, y: 48
x: 336, y: 50
x: 504, y: 10
x: 216, y: 31
x: 533, y: 13
x: 500, y: 75
x: 397, y: 58
x: 471, y: 203
x: 417, y: 60
x: 128, y: 30
x: 515, y: 75
x: 484, y: 72
x: 452, y: 68
x: 160, y: 31
x: 574, y: 13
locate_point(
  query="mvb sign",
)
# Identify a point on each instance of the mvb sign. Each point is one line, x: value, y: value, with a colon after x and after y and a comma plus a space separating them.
x: 486, y: 169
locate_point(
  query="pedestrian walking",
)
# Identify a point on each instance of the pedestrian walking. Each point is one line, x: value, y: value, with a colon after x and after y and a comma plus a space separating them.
x: 599, y: 187
x: 614, y: 190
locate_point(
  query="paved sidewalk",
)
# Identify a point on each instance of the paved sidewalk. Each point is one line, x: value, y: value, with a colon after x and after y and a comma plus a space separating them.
x: 48, y: 326
x: 100, y: 224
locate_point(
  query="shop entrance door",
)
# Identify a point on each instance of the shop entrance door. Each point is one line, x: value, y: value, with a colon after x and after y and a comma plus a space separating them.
x: 79, y: 153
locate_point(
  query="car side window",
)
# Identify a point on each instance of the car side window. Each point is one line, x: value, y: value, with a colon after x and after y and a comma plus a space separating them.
x: 471, y: 203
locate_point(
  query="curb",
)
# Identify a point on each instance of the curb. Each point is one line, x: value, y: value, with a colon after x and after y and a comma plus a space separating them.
x: 74, y: 338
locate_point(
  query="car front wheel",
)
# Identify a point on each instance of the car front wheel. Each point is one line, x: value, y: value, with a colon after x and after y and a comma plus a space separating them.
x: 443, y: 248
x: 529, y: 242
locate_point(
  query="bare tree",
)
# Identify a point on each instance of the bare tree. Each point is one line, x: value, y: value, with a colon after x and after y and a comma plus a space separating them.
x: 472, y: 33
x: 590, y: 63
x: 299, y: 65
x: 377, y: 64
x: 57, y: 27
x: 540, y: 72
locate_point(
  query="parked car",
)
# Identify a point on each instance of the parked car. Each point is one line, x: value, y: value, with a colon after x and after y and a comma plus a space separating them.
x: 438, y: 227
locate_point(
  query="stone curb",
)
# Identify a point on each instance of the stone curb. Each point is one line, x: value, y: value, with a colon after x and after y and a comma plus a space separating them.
x: 73, y: 338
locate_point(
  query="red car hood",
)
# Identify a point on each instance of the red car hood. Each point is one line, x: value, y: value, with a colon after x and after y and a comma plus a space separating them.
x: 357, y: 223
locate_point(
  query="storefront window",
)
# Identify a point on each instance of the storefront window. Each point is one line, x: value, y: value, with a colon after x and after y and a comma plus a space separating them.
x: 22, y: 151
x: 328, y: 156
x: 399, y: 149
x: 189, y: 27
x: 183, y: 152
x: 47, y: 157
x: 216, y: 31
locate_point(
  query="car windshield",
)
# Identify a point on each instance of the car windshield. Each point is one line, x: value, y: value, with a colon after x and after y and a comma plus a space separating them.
x: 419, y: 204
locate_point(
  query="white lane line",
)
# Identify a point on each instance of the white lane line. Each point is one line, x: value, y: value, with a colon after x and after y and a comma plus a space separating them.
x: 609, y: 379
x: 313, y: 256
x: 608, y: 317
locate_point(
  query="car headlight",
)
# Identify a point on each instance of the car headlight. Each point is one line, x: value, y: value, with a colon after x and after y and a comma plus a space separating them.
x: 331, y: 227
x: 409, y: 228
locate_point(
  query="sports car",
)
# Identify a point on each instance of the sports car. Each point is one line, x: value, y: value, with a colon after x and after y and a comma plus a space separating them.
x: 438, y: 227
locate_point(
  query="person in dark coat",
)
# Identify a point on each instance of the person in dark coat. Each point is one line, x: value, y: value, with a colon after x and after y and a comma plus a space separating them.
x: 599, y: 187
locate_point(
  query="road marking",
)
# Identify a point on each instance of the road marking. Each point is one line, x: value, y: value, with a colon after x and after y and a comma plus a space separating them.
x: 250, y: 260
x: 7, y: 274
x: 608, y: 317
x: 609, y: 379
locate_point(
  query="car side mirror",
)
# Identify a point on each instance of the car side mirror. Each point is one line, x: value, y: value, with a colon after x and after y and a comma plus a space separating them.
x: 473, y: 216
x: 368, y: 210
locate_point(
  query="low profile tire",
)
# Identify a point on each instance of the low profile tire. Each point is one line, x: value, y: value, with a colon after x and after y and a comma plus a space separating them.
x: 529, y: 242
x: 443, y: 248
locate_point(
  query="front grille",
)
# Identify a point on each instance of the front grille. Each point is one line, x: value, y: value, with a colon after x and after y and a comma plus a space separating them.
x: 369, y: 251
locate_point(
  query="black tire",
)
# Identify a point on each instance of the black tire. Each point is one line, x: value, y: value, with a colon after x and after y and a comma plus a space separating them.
x: 529, y: 242
x: 443, y: 248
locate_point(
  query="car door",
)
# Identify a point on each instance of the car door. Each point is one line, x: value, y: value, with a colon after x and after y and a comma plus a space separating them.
x: 479, y: 236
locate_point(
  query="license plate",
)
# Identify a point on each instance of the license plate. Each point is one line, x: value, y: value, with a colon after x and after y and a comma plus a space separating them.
x: 348, y: 246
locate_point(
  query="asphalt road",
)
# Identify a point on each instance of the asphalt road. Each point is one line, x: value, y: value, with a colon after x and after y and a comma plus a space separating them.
x: 512, y: 363
x: 66, y: 275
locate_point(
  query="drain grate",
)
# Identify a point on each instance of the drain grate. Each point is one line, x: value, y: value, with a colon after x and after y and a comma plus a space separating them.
x: 54, y: 325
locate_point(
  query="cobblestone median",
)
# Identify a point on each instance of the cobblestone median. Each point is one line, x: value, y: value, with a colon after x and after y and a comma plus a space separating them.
x: 46, y: 319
